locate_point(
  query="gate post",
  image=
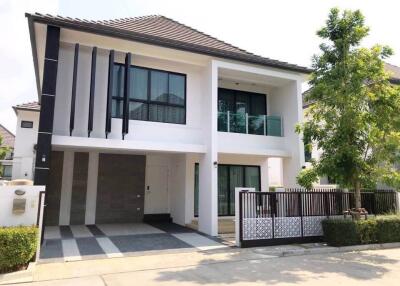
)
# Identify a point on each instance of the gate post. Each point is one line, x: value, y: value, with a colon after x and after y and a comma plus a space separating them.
x: 301, y: 214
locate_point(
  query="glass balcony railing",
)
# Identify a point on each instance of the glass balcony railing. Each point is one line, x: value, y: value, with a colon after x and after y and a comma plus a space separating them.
x: 250, y: 124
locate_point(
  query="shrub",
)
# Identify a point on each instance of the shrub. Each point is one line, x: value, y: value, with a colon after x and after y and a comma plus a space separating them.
x: 388, y: 228
x: 17, y: 246
x: 382, y: 229
x: 366, y: 231
x: 338, y: 232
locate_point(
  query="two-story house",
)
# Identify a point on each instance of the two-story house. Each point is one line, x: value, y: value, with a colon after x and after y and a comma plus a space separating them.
x: 146, y: 118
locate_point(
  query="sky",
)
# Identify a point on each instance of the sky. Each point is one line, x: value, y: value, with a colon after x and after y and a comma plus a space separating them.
x: 282, y: 30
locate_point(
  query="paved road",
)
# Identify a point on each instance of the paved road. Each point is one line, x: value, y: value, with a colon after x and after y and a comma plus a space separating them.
x: 377, y: 267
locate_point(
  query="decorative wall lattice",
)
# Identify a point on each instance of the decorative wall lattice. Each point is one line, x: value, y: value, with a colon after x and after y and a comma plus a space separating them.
x: 257, y: 228
x: 287, y: 227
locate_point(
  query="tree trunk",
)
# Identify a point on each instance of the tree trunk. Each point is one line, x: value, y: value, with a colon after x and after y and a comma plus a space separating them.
x: 357, y: 201
x: 357, y: 195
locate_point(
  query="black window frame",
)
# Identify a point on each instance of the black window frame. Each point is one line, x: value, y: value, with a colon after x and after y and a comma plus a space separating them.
x: 30, y: 124
x: 250, y: 95
x: 149, y: 101
x: 229, y: 211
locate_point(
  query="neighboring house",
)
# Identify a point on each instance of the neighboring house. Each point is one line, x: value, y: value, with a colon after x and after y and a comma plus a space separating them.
x: 196, y: 118
x: 6, y: 164
x: 25, y: 140
x: 315, y: 154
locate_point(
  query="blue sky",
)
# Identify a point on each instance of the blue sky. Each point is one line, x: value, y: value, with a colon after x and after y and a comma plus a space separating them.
x: 283, y: 30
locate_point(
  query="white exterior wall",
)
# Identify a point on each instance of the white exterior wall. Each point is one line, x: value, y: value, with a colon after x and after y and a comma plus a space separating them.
x: 7, y: 195
x: 25, y: 140
x: 287, y: 102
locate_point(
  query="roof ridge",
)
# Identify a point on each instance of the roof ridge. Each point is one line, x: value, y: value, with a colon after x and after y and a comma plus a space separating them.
x: 205, y: 34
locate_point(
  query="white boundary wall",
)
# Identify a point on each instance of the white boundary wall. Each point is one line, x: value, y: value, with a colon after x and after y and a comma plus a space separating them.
x: 29, y: 217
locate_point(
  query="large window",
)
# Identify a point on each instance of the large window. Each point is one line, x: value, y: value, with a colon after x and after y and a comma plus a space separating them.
x: 155, y: 95
x: 241, y: 111
x: 241, y: 102
x: 229, y: 177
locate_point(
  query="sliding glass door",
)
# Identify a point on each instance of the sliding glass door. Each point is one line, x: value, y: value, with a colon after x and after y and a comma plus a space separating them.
x: 229, y: 177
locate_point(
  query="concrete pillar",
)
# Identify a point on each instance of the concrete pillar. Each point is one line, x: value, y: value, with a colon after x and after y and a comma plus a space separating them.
x: 208, y: 169
x: 66, y: 188
x: 287, y: 102
x: 91, y: 194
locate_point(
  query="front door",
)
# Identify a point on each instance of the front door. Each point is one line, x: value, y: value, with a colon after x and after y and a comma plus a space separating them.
x: 156, y: 193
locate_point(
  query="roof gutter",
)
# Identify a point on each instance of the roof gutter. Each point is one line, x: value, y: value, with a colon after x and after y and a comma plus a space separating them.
x: 34, y: 54
x: 117, y: 33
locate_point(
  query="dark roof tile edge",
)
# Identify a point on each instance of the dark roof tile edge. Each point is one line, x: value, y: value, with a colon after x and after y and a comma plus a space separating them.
x: 119, y: 33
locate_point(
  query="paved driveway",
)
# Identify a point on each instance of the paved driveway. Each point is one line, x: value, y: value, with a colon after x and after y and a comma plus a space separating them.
x: 81, y: 242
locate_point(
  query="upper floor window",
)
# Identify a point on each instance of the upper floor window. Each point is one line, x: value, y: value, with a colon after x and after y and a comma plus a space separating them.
x: 241, y: 102
x: 26, y: 124
x: 155, y: 95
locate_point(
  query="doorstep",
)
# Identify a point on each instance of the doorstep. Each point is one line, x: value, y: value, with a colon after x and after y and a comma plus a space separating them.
x: 21, y: 276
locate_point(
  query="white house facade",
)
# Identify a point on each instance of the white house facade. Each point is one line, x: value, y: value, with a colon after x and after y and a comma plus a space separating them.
x: 145, y: 118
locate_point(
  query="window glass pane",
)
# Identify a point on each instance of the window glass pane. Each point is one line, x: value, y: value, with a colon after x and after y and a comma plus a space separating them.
x: 242, y: 102
x: 7, y: 171
x: 159, y: 86
x: 137, y: 110
x: 236, y: 181
x: 223, y: 191
x: 175, y: 114
x: 258, y: 105
x: 252, y: 178
x: 117, y: 108
x: 157, y: 112
x: 139, y: 83
x: 196, y: 189
x: 226, y: 100
x: 118, y: 86
x: 176, y: 89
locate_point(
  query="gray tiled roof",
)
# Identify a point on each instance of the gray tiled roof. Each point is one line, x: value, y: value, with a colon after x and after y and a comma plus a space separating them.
x: 34, y: 106
x: 394, y: 72
x: 7, y: 136
x: 163, y: 31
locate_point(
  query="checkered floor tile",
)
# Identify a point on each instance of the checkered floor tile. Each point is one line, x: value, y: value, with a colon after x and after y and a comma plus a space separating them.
x: 78, y: 242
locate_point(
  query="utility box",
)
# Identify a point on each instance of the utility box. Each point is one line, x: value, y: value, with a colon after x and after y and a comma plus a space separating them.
x: 19, y: 206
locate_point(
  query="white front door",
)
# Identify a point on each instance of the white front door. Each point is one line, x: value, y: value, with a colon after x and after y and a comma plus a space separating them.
x: 156, y: 190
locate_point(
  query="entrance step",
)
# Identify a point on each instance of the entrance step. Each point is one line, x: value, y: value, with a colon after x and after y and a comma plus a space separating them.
x: 157, y: 218
x: 225, y: 225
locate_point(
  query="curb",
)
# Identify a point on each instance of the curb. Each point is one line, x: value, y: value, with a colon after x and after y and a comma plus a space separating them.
x: 18, y: 276
x: 330, y: 249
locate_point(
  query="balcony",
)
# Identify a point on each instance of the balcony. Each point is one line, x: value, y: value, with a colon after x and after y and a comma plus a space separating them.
x: 250, y: 124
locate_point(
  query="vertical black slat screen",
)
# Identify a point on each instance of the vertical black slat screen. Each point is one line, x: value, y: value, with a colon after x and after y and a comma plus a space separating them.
x: 73, y: 94
x: 110, y: 91
x: 127, y: 88
x: 92, y: 90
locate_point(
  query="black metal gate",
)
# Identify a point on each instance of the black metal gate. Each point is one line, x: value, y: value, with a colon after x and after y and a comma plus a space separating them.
x: 271, y: 218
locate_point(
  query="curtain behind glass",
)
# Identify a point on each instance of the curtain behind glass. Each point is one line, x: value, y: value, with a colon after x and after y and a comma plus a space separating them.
x: 159, y: 86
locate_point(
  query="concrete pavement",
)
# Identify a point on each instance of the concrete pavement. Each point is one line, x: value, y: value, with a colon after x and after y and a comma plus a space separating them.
x: 234, y: 267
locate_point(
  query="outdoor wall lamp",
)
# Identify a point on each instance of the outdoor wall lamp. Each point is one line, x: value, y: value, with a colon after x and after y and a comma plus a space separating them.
x: 215, y: 163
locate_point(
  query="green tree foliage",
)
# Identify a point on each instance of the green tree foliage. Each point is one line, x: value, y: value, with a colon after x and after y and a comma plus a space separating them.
x: 355, y: 116
x: 3, y: 153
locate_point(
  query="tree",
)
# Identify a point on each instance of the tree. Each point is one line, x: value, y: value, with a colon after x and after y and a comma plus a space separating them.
x: 355, y: 116
x: 3, y: 153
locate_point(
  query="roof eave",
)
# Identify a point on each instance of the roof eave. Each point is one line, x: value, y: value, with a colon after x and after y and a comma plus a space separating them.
x: 34, y: 54
x: 117, y: 33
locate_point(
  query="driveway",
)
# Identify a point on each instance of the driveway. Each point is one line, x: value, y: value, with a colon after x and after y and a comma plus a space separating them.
x: 83, y: 242
x: 229, y: 267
